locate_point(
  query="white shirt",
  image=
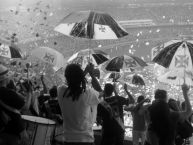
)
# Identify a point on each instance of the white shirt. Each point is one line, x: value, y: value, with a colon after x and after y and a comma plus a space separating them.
x: 77, y: 115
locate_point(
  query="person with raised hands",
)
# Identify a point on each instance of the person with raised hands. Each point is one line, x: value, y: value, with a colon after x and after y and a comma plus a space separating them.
x: 163, y: 121
x: 76, y: 100
x: 138, y: 115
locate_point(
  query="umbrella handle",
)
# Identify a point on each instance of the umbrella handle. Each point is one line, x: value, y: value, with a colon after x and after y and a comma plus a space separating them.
x: 184, y: 77
x: 89, y: 50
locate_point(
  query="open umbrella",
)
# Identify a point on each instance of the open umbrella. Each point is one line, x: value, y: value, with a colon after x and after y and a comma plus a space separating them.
x: 132, y: 78
x: 50, y: 56
x: 137, y: 80
x: 11, y: 51
x: 177, y: 56
x: 90, y: 25
x: 82, y: 57
x: 127, y: 63
x: 114, y: 76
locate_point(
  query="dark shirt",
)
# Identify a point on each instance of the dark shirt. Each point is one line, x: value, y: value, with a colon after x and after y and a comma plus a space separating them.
x: 163, y: 122
x: 52, y: 107
x: 12, y: 99
x: 110, y: 127
x: 43, y: 98
x: 104, y: 115
x: 15, y: 126
x: 117, y: 102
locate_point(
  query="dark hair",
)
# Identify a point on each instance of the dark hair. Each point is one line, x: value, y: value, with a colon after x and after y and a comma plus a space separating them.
x: 53, y: 92
x: 76, y: 81
x: 160, y: 94
x: 173, y: 104
x: 96, y: 73
x: 140, y: 98
x: 108, y: 90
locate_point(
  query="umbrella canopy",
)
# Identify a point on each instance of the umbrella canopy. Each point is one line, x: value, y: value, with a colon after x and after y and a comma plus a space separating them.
x: 177, y: 77
x: 10, y: 51
x: 82, y: 57
x: 176, y: 54
x: 50, y: 56
x: 90, y: 25
x: 138, y: 80
x: 132, y: 78
x: 125, y: 63
x: 112, y: 75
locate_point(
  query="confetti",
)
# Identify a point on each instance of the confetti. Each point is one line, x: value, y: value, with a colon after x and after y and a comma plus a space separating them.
x: 51, y: 14
x: 147, y: 43
x: 158, y: 30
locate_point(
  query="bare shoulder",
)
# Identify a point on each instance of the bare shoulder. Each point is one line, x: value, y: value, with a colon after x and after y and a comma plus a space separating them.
x: 61, y: 89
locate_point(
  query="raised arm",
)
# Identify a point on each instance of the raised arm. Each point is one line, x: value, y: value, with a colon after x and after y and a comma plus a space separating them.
x: 44, y: 85
x: 188, y: 109
x: 131, y: 99
x: 89, y: 69
x: 141, y: 103
x: 115, y: 90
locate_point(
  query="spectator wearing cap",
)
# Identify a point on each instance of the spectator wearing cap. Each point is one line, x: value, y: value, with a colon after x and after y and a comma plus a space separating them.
x: 11, y: 124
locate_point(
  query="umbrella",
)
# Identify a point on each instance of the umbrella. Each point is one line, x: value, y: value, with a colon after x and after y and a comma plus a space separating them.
x: 138, y: 80
x: 82, y: 57
x: 177, y: 54
x: 127, y: 63
x: 132, y: 78
x: 177, y: 77
x: 90, y: 25
x: 112, y: 75
x: 11, y: 51
x: 126, y: 77
x: 50, y: 56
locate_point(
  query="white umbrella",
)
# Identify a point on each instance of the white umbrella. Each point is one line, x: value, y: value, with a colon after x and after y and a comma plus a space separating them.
x: 10, y: 51
x: 90, y: 25
x: 82, y: 57
x: 50, y: 56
